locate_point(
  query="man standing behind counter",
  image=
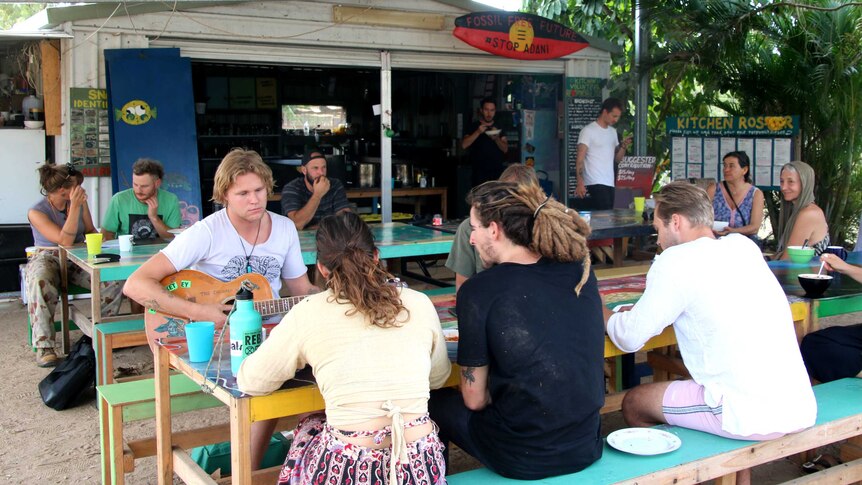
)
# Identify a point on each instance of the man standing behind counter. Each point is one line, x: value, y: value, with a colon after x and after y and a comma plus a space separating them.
x: 733, y: 326
x: 144, y: 211
x: 313, y: 196
x: 598, y: 152
x: 487, y: 145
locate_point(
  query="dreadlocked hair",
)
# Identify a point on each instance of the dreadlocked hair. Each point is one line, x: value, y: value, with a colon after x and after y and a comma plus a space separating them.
x: 346, y: 248
x: 533, y: 220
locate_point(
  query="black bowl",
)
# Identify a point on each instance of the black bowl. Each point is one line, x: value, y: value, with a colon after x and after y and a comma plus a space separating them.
x: 814, y: 285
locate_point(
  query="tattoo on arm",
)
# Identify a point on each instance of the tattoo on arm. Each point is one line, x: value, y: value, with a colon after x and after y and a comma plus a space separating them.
x: 467, y: 374
x: 152, y: 304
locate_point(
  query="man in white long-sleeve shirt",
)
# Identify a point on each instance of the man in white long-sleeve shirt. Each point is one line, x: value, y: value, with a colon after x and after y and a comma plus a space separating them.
x: 733, y: 326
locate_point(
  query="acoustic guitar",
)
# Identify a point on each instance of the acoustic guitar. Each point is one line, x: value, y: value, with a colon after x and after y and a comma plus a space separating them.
x: 202, y: 288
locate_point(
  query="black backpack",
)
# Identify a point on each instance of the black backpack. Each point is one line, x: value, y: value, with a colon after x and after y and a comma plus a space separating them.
x: 77, y: 373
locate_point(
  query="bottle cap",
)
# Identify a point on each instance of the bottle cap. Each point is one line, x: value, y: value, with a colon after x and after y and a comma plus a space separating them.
x: 244, y: 294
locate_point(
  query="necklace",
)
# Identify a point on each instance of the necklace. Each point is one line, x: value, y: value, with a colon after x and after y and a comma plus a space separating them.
x: 54, y: 208
x: 253, y: 246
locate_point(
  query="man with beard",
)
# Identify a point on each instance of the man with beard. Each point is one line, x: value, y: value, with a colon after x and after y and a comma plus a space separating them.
x: 313, y: 196
x: 531, y: 340
x: 486, y: 143
x: 599, y: 151
x: 144, y: 211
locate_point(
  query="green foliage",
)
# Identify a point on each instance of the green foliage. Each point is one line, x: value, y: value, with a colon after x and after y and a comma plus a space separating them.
x: 10, y: 14
x: 743, y: 57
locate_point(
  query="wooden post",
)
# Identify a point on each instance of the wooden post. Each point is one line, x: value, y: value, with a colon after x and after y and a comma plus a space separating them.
x: 240, y: 445
x: 51, y: 86
x: 164, y: 455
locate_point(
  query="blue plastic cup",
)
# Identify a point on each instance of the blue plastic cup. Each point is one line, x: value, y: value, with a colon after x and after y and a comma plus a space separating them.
x: 199, y: 336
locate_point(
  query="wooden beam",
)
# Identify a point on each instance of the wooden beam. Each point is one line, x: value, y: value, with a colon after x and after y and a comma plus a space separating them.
x: 51, y: 86
x: 186, y: 467
x: 387, y: 18
x: 844, y: 473
x: 666, y: 363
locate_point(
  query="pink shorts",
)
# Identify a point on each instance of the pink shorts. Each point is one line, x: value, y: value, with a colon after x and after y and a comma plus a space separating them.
x: 683, y: 405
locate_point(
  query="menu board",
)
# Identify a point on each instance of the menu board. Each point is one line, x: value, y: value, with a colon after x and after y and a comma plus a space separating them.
x: 583, y: 98
x: 636, y: 173
x: 699, y: 143
x: 89, y: 140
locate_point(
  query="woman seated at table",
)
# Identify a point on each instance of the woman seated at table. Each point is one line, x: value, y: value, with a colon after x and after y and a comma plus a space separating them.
x: 835, y: 352
x: 376, y: 350
x: 62, y: 217
x: 800, y: 220
x: 736, y: 200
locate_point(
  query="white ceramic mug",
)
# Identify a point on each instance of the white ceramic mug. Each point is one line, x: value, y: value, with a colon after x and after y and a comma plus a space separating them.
x: 126, y: 243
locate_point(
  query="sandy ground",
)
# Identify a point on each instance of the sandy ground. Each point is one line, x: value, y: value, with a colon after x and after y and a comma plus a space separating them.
x: 40, y: 445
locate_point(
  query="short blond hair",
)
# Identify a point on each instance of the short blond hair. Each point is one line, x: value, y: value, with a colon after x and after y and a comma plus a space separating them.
x: 685, y: 199
x: 240, y: 162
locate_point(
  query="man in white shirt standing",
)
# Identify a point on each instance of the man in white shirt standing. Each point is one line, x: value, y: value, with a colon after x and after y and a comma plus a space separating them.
x: 733, y: 326
x: 599, y: 150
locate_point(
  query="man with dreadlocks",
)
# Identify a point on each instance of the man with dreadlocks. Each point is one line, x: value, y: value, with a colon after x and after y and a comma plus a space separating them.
x: 531, y: 340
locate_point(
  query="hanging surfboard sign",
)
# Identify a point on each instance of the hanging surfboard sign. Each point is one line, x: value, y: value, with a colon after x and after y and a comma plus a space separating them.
x: 518, y: 35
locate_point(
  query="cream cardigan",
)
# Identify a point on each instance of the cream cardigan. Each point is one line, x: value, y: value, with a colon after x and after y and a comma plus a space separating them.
x: 355, y: 362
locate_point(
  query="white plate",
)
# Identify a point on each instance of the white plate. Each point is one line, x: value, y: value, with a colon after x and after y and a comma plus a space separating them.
x: 644, y: 441
x: 719, y: 225
x: 492, y: 132
x: 176, y: 231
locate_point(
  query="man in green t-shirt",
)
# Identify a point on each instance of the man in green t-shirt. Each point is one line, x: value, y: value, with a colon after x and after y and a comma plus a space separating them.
x: 144, y: 211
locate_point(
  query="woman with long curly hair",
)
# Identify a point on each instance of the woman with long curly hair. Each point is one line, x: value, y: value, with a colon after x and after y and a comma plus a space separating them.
x: 376, y: 349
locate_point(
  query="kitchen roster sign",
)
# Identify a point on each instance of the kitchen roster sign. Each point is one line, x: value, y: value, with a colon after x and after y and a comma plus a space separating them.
x: 89, y: 140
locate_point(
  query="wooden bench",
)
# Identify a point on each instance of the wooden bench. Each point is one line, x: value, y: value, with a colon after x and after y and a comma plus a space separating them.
x: 128, y: 401
x: 705, y: 457
x: 124, y: 402
x: 108, y: 336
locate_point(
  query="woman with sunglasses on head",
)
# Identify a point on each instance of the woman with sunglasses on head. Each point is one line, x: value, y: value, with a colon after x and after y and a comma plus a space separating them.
x: 736, y: 200
x: 376, y: 350
x: 61, y: 218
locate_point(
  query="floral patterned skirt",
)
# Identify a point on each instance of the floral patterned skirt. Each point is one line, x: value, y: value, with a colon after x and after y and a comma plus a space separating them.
x: 318, y: 457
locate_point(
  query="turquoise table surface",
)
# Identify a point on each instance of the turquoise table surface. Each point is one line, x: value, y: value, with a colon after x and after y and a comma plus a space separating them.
x: 118, y: 271
x: 844, y: 295
x: 393, y: 239
x: 99, y: 272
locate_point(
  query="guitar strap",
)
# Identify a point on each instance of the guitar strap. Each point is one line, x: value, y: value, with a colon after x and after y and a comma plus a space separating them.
x: 735, y: 206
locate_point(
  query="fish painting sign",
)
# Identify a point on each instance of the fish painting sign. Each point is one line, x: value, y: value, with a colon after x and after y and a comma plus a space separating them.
x: 518, y: 35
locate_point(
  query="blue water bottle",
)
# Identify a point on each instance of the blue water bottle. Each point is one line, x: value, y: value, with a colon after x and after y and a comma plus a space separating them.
x: 245, y: 329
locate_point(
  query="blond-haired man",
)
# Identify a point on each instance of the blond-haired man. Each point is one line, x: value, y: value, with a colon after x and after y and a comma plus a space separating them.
x: 241, y: 238
x: 732, y: 324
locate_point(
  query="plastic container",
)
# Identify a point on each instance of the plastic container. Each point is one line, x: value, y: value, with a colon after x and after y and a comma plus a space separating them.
x: 32, y: 108
x: 245, y: 329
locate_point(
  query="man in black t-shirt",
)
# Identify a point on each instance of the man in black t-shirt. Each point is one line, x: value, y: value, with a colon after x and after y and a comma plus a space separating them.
x: 486, y: 143
x: 531, y: 340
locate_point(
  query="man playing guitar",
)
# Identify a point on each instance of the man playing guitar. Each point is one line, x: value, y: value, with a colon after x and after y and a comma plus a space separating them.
x: 241, y: 238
